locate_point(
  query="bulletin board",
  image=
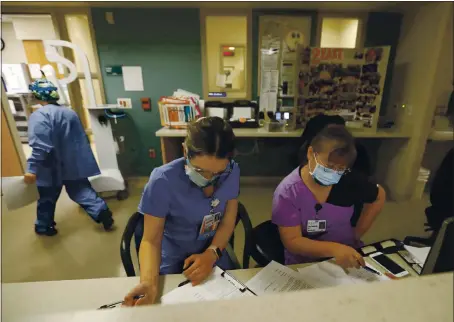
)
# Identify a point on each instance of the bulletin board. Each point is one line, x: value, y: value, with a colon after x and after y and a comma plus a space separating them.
x: 279, y: 38
x: 338, y: 81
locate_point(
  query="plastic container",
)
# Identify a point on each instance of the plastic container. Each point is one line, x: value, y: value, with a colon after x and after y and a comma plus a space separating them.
x: 274, y: 126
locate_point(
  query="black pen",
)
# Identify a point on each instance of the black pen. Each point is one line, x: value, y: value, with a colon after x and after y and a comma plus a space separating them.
x: 108, y: 306
x: 184, y: 283
x: 371, y: 270
x: 187, y: 281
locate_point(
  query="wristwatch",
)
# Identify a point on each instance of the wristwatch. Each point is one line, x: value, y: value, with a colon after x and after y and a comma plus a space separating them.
x: 216, y: 251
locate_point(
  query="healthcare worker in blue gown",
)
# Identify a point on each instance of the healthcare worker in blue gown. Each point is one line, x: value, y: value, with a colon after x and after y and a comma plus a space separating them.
x: 61, y: 156
x: 190, y: 208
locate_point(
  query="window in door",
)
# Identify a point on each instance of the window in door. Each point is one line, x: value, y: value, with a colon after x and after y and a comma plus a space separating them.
x: 340, y: 32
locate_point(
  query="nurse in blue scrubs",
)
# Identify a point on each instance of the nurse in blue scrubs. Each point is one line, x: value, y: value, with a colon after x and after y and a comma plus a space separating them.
x: 190, y: 208
x: 61, y: 156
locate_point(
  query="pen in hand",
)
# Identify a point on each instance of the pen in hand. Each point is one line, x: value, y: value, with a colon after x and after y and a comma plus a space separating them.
x: 187, y: 281
x: 112, y: 305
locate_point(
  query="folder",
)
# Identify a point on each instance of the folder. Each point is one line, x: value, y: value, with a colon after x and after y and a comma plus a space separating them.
x: 17, y: 194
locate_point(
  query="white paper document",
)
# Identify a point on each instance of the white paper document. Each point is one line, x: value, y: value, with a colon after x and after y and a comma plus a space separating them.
x: 276, y: 278
x: 270, y: 61
x: 418, y: 253
x: 16, y: 193
x: 326, y: 274
x: 216, y: 287
x: 132, y: 78
x: 220, y: 80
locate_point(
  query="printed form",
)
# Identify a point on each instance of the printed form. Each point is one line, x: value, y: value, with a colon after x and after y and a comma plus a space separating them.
x: 326, y: 274
x: 276, y: 278
x: 216, y: 287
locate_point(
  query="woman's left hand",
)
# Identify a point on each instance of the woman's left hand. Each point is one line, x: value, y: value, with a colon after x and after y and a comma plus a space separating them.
x: 198, y: 267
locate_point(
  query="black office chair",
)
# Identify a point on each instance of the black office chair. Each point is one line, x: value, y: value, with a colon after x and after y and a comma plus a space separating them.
x: 422, y: 241
x: 266, y: 244
x: 134, y: 228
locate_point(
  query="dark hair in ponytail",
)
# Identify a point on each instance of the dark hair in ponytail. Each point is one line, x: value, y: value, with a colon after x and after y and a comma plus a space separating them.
x: 342, y: 144
x: 211, y: 136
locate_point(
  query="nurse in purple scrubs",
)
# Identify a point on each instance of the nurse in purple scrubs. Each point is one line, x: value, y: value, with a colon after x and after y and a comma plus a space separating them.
x: 190, y: 208
x: 313, y: 205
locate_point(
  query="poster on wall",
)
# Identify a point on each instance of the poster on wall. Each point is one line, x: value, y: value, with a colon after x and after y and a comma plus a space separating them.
x: 345, y: 82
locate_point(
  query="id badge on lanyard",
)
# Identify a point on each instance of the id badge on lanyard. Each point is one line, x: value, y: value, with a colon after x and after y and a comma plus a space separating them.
x: 316, y: 226
x: 210, y: 222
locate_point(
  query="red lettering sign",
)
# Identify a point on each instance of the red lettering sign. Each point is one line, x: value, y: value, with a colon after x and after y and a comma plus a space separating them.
x: 326, y: 54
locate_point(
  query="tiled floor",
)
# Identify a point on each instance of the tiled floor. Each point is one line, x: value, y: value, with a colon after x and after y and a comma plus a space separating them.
x: 83, y: 250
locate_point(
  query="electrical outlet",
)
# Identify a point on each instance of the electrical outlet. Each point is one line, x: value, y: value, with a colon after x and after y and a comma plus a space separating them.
x: 124, y: 102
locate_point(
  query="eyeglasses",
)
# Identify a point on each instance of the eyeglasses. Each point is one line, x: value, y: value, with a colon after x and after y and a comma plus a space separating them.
x: 326, y: 167
x: 228, y: 169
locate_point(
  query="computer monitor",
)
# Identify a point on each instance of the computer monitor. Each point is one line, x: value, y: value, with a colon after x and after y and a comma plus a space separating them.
x: 441, y: 255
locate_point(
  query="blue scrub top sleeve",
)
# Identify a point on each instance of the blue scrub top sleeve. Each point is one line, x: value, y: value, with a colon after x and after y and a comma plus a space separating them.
x: 40, y: 140
x: 156, y: 196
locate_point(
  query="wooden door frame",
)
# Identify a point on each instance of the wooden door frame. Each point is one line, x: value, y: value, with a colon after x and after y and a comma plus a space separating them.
x: 58, y: 19
x: 204, y: 12
x: 13, y: 130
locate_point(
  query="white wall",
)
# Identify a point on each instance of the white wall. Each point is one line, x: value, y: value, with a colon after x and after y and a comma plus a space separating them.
x: 435, y: 151
x: 419, y: 50
x: 14, y: 50
x: 34, y: 27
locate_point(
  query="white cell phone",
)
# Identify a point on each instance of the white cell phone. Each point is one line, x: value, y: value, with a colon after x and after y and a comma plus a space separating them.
x: 388, y: 264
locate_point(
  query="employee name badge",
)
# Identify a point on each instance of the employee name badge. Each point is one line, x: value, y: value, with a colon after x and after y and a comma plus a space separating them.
x: 209, y: 225
x: 316, y: 226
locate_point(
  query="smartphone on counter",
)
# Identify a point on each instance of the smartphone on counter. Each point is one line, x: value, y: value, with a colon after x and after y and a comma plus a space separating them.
x: 388, y: 264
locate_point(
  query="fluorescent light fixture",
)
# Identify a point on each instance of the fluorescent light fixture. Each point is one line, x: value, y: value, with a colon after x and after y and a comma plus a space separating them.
x: 231, y: 48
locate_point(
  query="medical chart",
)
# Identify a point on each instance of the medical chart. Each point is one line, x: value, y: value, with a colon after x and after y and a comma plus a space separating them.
x: 276, y: 278
x: 326, y: 274
x: 217, y: 287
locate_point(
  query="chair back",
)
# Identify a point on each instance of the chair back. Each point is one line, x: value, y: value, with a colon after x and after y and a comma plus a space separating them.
x: 134, y: 228
x: 125, y: 245
x: 267, y: 244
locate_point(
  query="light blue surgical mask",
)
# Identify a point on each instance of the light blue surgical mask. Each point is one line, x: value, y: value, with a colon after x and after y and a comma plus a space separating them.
x: 197, y: 178
x: 325, y: 176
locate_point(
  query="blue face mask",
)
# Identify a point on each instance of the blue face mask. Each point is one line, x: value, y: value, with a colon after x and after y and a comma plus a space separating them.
x: 197, y: 178
x: 325, y: 176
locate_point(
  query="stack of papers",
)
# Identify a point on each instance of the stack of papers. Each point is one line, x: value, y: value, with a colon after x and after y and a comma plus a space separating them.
x: 276, y: 278
x: 327, y: 274
x: 216, y: 287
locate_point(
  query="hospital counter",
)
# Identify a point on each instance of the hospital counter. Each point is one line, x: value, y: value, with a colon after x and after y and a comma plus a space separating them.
x: 171, y: 139
x: 423, y: 299
x: 26, y: 299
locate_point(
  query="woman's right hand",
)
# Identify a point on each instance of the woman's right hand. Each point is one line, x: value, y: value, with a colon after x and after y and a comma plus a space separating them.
x: 348, y: 257
x: 147, y: 290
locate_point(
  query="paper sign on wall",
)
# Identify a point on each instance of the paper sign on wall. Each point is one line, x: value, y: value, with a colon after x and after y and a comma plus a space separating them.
x: 35, y: 71
x: 132, y: 78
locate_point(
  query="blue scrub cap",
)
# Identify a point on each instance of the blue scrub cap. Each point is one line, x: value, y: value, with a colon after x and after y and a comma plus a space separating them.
x: 44, y: 90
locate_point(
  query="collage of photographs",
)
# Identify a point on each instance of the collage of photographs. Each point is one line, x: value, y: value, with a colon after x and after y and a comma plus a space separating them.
x: 345, y: 83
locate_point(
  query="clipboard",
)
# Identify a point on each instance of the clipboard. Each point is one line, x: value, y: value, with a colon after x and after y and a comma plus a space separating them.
x: 216, y: 270
x: 243, y: 288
